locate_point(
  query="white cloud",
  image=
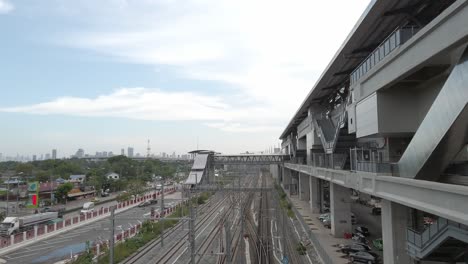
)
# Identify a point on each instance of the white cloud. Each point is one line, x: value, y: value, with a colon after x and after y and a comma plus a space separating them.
x: 269, y: 50
x: 5, y: 7
x: 155, y: 104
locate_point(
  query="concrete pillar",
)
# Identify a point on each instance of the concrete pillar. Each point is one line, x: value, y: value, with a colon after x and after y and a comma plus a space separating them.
x: 24, y: 236
x: 35, y: 231
x: 314, y: 194
x: 12, y: 239
x: 287, y: 178
x: 340, y: 210
x: 46, y: 229
x: 395, y: 219
x: 304, y: 187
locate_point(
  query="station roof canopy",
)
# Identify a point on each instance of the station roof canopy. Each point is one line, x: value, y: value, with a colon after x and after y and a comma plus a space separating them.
x: 378, y: 21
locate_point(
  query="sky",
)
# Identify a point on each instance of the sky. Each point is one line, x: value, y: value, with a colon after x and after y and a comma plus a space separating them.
x: 108, y: 74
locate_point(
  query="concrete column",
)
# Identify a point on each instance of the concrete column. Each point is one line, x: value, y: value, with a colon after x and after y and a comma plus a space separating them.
x: 24, y: 236
x: 46, y: 229
x: 395, y: 219
x: 340, y: 210
x: 314, y: 194
x: 12, y: 239
x: 35, y: 231
x: 304, y: 187
x: 287, y: 178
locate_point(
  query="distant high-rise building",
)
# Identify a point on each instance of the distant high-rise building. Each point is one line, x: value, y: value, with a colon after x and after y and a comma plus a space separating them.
x: 110, y: 154
x: 130, y: 152
x: 104, y: 153
x: 42, y: 157
x: 34, y: 158
x: 122, y: 152
x: 1, y: 156
x: 47, y: 156
x: 79, y: 153
x: 54, y: 154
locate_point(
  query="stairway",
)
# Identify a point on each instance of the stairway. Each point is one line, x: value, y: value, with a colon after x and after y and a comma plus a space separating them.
x: 333, y: 130
x: 444, y: 130
x: 442, y: 235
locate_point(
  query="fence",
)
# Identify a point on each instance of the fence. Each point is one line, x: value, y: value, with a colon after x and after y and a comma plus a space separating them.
x: 41, y: 230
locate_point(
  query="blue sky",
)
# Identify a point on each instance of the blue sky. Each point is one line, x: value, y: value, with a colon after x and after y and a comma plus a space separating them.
x: 104, y: 75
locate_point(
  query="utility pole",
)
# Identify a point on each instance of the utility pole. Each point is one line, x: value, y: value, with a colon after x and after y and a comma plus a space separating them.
x: 191, y: 229
x: 241, y: 208
x: 162, y: 211
x: 8, y: 196
x: 111, y: 246
x: 228, y: 241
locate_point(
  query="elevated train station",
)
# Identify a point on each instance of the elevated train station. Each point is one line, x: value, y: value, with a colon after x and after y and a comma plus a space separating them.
x: 388, y: 117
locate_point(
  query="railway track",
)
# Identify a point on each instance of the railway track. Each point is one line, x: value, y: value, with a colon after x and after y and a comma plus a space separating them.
x: 143, y: 252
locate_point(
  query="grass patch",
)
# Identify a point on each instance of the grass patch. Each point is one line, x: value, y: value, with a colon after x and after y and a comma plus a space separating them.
x: 284, y: 202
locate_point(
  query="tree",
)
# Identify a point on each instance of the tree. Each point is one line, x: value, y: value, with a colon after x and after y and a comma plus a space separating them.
x: 136, y: 187
x: 42, y: 176
x: 26, y: 168
x: 62, y: 191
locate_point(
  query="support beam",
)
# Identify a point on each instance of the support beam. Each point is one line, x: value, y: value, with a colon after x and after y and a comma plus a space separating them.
x: 395, y: 219
x: 287, y: 179
x: 340, y: 209
x: 314, y: 194
x: 304, y: 187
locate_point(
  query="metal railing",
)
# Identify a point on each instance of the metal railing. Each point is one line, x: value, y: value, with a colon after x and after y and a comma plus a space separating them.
x: 330, y: 161
x: 369, y: 160
x: 421, y: 240
x: 394, y: 40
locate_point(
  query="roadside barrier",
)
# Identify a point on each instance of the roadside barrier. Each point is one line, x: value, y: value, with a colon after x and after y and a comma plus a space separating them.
x: 41, y: 230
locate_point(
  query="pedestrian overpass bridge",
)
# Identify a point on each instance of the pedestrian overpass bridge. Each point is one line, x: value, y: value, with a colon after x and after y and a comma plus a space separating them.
x: 205, y: 160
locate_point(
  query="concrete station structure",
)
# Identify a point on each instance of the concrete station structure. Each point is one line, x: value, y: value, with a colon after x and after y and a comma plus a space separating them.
x: 388, y: 117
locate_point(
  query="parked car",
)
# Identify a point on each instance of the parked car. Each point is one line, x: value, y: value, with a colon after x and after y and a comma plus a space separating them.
x: 145, y: 203
x: 376, y: 211
x: 348, y: 249
x: 59, y: 210
x: 327, y: 223
x: 358, y: 237
x: 324, y: 216
x: 363, y: 256
x: 378, y: 244
x: 363, y: 230
x: 153, y: 201
x: 363, y: 245
x: 95, y: 200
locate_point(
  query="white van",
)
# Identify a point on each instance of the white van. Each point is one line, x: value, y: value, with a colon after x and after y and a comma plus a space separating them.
x: 87, y: 208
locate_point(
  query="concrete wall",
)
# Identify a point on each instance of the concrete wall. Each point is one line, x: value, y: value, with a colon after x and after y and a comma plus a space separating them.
x: 396, y: 111
x: 367, y: 117
x: 434, y: 41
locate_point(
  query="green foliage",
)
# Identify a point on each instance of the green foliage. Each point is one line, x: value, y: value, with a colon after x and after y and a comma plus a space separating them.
x: 284, y: 202
x: 122, y: 197
x: 148, y: 232
x: 62, y: 191
x: 301, y: 249
x: 25, y: 168
x: 136, y: 187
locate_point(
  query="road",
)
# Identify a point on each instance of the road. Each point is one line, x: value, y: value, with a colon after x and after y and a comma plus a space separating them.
x: 62, y: 246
